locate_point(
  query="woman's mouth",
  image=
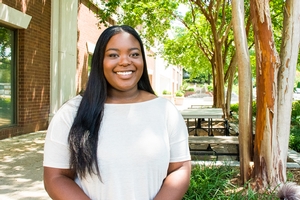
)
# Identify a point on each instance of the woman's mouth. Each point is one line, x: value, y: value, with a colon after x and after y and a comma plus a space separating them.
x: 125, y: 73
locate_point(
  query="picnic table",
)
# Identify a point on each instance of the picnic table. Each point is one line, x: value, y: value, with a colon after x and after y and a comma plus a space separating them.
x: 209, y: 114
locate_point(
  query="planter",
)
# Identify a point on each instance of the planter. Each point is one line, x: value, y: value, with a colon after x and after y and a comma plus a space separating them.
x: 188, y: 93
x: 179, y: 100
x: 169, y: 97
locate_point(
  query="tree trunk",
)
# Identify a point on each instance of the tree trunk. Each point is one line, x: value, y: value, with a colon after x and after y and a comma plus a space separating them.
x: 219, y: 77
x: 231, y: 74
x: 288, y: 55
x: 267, y: 64
x: 245, y: 90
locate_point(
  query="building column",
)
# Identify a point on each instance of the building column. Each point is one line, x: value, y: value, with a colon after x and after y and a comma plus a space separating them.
x: 63, y: 61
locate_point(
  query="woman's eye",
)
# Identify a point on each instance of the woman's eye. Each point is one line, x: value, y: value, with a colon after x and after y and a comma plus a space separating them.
x: 113, y: 55
x: 134, y: 55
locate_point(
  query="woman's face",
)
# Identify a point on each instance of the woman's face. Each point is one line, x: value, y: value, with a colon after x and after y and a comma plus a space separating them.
x: 123, y: 62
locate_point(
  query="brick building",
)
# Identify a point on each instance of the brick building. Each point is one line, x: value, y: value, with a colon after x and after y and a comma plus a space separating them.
x: 45, y: 49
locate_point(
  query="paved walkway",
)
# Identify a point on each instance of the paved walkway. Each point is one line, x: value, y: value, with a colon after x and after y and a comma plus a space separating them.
x: 21, y: 171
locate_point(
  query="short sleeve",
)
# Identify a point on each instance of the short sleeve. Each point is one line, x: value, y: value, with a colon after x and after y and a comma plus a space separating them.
x: 178, y: 136
x: 56, y: 148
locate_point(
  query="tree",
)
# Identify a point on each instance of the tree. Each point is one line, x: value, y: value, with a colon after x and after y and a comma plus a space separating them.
x: 274, y: 91
x: 182, y: 51
x: 245, y: 90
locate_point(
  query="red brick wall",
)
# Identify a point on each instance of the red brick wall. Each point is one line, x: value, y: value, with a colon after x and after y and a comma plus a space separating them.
x: 33, y: 70
x: 88, y: 31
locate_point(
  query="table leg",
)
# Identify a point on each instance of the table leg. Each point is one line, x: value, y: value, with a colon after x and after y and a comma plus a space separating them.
x: 209, y: 125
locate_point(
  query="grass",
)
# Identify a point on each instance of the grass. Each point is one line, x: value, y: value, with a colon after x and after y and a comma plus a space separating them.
x: 220, y: 182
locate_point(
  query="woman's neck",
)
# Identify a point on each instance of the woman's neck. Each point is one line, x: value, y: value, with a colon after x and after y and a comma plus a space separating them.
x: 119, y: 97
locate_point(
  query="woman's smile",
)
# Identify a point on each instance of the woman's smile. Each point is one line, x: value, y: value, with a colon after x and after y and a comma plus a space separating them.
x: 124, y: 73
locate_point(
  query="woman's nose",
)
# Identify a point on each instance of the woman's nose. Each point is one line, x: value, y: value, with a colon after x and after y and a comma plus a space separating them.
x: 124, y: 60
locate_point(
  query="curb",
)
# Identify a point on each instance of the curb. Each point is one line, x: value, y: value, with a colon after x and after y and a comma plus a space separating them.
x: 295, y: 156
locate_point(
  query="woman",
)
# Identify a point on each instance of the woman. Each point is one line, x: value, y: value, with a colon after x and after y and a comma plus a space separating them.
x: 119, y: 140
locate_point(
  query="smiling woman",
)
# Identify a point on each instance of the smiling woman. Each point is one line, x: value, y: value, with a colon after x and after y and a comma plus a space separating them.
x: 119, y: 140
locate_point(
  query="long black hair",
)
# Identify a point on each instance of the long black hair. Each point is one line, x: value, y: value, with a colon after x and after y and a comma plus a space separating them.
x: 83, y: 136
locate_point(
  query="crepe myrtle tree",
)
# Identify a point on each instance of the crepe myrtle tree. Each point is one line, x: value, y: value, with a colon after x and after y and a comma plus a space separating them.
x: 275, y: 73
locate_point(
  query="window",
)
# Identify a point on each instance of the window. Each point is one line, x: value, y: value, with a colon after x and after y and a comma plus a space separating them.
x: 7, y: 77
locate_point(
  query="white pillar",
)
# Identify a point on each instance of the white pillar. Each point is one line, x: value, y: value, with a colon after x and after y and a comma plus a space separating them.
x: 63, y: 56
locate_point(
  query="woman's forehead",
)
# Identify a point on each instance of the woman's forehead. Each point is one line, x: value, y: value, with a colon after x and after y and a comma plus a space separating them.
x: 123, y: 39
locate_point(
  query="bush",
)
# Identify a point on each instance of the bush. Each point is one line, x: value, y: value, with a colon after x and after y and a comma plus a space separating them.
x: 235, y: 108
x: 210, y: 88
x: 190, y: 89
x: 179, y: 93
x: 166, y: 92
x: 295, y: 117
x: 294, y: 140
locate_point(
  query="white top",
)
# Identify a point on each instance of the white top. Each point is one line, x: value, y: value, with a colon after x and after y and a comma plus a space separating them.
x: 136, y: 144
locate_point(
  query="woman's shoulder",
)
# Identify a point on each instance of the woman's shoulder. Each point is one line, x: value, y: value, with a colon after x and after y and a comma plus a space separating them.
x: 73, y: 102
x: 70, y: 106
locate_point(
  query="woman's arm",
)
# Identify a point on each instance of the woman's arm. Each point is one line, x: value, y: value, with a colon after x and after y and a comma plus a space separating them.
x: 176, y: 183
x: 60, y: 184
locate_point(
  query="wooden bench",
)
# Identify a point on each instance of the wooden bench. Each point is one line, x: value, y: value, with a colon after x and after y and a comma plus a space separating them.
x: 234, y: 127
x: 208, y: 140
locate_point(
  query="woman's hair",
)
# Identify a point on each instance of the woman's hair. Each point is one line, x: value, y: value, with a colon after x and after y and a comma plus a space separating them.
x: 83, y: 136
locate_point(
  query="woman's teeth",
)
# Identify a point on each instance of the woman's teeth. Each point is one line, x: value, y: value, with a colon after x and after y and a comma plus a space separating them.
x: 124, y: 73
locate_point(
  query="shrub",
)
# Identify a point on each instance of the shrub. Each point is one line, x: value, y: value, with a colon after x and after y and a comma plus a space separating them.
x: 295, y: 116
x: 166, y: 92
x: 235, y: 108
x: 210, y: 88
x: 179, y: 93
x: 294, y: 140
x: 190, y: 89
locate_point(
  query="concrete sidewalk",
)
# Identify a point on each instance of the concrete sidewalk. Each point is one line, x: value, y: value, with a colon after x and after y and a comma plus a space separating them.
x: 21, y: 170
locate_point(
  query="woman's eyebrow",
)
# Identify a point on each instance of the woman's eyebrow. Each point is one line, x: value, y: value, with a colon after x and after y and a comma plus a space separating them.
x: 112, y: 49
x: 135, y: 48
x: 115, y: 49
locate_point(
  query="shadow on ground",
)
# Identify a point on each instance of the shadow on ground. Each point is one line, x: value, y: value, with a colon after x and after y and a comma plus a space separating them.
x: 21, y: 170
